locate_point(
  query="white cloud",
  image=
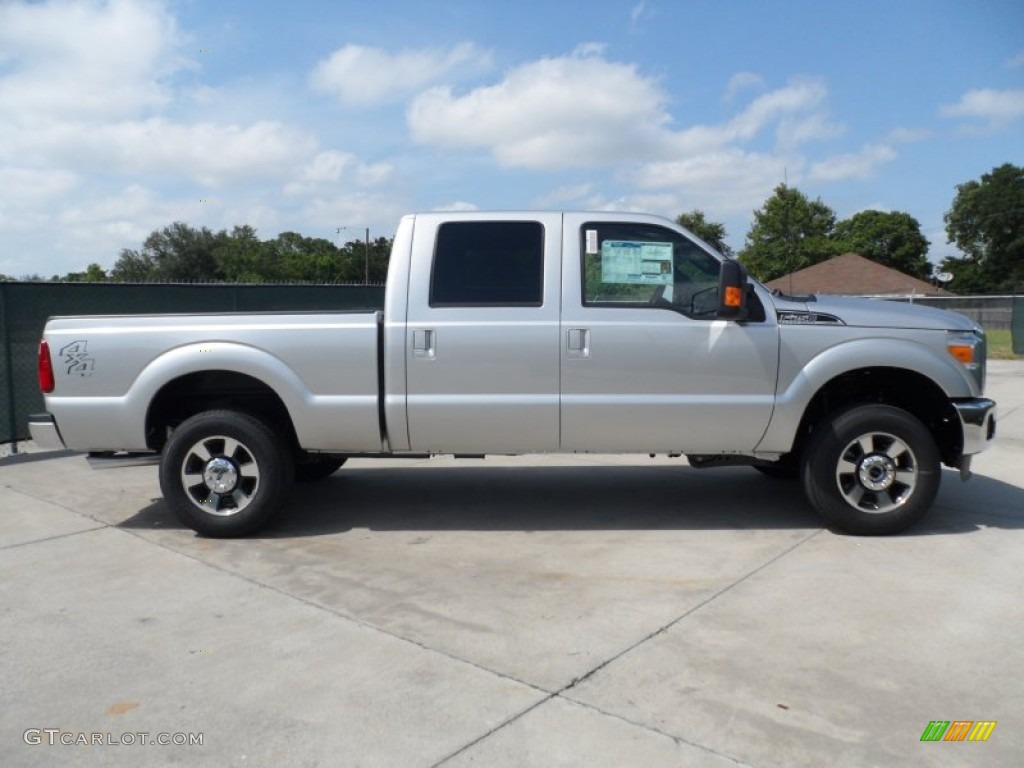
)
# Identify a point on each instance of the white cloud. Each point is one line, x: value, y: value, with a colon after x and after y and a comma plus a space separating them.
x: 586, y: 111
x: 333, y: 167
x: 997, y: 108
x: 859, y: 165
x: 1015, y: 62
x: 637, y: 11
x: 570, y: 194
x: 552, y: 113
x: 207, y: 153
x: 907, y: 135
x: 724, y: 181
x: 458, y: 205
x: 742, y: 81
x: 97, y: 228
x: 800, y: 96
x: 21, y: 187
x: 362, y: 76
x: 86, y: 59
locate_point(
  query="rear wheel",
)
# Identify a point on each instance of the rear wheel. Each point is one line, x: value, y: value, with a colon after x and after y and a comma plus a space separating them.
x: 872, y: 470
x: 224, y: 474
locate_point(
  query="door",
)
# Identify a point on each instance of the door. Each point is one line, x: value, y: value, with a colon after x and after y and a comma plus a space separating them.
x: 646, y: 367
x: 483, y: 341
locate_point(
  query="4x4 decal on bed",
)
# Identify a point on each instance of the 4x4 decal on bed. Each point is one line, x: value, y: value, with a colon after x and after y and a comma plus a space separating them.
x: 75, y: 358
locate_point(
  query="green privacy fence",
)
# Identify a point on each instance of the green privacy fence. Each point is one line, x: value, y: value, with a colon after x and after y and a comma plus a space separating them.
x: 1017, y: 325
x: 24, y: 308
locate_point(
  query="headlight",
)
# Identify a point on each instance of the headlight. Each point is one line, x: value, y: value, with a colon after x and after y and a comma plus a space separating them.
x: 968, y: 347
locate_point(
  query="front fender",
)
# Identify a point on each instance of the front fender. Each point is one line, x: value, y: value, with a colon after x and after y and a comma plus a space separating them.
x: 847, y: 357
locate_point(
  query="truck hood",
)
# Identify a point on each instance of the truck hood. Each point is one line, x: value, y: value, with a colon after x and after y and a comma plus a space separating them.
x: 879, y: 313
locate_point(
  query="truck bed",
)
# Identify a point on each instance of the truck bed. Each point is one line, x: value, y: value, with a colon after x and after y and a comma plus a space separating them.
x: 324, y: 366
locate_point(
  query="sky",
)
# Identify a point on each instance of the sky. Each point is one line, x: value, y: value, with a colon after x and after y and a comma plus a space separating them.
x: 120, y: 117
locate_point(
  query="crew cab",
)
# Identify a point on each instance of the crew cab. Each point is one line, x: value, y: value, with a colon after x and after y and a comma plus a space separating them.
x: 531, y: 332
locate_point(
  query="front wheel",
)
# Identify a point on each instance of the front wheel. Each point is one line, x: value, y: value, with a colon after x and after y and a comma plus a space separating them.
x: 224, y: 473
x: 872, y: 470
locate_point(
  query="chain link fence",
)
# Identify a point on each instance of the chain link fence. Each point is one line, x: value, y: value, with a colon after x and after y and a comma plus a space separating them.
x: 24, y: 308
x: 993, y: 313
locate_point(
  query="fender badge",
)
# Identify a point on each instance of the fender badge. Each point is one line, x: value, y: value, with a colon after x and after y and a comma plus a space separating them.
x: 75, y: 357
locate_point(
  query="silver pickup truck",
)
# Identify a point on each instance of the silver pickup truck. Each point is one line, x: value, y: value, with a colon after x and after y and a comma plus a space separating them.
x: 510, y: 333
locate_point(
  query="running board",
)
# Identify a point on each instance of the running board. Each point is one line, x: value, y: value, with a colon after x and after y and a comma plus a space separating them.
x: 111, y: 460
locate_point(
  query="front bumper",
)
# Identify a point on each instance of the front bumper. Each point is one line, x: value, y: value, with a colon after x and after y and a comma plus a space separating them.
x: 978, y: 422
x: 43, y: 430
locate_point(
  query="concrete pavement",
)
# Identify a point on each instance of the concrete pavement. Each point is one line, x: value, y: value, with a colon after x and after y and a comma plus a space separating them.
x: 512, y: 612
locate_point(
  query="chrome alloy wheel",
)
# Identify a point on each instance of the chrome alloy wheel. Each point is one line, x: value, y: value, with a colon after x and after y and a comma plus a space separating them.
x: 877, y: 472
x: 220, y: 475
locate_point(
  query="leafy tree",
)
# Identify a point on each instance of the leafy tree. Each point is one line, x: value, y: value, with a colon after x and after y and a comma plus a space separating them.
x: 133, y: 267
x: 180, y: 252
x: 94, y: 273
x: 893, y: 239
x: 184, y: 254
x: 241, y: 257
x: 986, y: 222
x: 310, y: 259
x: 789, y: 232
x: 711, y: 232
x: 378, y: 255
x: 176, y: 253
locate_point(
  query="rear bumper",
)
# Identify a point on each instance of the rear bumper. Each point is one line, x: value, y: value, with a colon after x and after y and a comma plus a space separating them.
x: 43, y: 430
x: 978, y: 421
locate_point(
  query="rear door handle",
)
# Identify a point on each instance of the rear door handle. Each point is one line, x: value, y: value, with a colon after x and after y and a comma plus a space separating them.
x: 423, y: 342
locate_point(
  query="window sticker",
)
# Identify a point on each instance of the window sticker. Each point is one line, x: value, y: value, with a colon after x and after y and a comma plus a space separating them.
x: 592, y: 249
x: 631, y: 261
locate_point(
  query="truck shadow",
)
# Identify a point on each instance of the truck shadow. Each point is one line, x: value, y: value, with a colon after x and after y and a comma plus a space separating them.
x: 607, y: 497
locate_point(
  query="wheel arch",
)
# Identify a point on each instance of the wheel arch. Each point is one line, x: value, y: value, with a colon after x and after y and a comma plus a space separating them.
x: 205, y: 390
x: 902, y: 388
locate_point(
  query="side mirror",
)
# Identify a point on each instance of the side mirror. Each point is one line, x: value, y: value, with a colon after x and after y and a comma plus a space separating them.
x: 732, y: 291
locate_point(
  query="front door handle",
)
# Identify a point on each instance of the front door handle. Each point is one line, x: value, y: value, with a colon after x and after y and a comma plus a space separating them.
x: 423, y: 341
x: 577, y: 342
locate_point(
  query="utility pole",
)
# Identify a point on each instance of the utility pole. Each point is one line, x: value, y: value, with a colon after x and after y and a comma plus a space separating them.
x: 366, y: 279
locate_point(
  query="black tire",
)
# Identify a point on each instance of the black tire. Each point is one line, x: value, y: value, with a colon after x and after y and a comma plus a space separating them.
x: 309, y: 469
x: 871, y: 470
x: 224, y: 473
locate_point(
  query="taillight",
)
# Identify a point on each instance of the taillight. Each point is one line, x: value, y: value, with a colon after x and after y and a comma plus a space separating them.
x: 46, y: 382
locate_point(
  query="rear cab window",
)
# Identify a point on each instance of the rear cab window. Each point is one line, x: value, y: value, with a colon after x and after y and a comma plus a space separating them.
x: 488, y: 264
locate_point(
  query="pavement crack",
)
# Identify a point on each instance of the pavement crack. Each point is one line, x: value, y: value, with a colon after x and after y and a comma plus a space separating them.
x: 53, y: 538
x: 677, y: 739
x: 336, y: 613
x: 493, y: 730
x: 690, y: 611
x: 560, y: 693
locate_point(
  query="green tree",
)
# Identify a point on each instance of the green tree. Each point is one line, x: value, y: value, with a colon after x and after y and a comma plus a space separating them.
x: 94, y: 273
x: 294, y: 257
x: 711, y: 232
x: 893, y: 239
x: 986, y: 222
x: 176, y: 253
x: 133, y: 267
x: 242, y: 257
x: 789, y: 232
